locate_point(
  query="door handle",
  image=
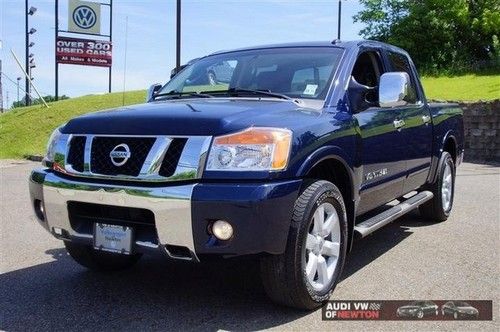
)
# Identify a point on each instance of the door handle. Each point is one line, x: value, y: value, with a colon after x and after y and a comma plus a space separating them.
x: 426, y: 119
x: 398, y: 124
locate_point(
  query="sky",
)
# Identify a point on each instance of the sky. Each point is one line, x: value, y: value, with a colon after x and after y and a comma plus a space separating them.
x: 207, y: 26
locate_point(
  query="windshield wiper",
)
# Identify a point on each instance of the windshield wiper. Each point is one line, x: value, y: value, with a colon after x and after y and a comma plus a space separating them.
x: 260, y: 92
x: 179, y: 95
x: 239, y: 92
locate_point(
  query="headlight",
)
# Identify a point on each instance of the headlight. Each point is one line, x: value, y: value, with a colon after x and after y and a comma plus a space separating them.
x: 52, y: 144
x: 253, y: 149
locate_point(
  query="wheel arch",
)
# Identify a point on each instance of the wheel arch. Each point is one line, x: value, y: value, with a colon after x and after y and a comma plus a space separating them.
x: 329, y: 164
x: 448, y: 144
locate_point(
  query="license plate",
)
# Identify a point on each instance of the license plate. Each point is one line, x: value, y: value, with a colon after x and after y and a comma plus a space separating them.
x: 113, y: 238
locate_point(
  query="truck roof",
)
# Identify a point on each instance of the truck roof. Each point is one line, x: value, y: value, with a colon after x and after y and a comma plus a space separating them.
x: 333, y: 44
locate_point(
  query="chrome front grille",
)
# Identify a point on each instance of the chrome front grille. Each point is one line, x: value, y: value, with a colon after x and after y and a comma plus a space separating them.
x: 100, y: 160
x: 150, y: 158
x: 76, y: 152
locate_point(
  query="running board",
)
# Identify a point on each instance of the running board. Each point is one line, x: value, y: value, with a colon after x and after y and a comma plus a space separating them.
x: 371, y: 225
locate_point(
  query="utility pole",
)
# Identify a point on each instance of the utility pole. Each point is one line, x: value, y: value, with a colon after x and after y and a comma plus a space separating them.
x: 339, y: 19
x: 28, y: 12
x: 110, y: 39
x: 178, y: 38
x: 26, y: 53
x: 18, y: 79
x: 56, y: 64
x: 1, y: 88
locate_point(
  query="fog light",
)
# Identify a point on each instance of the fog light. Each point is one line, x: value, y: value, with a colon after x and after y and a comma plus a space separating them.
x: 222, y: 230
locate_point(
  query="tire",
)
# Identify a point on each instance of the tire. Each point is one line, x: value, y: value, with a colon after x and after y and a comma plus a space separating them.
x: 420, y: 314
x: 212, y: 79
x: 284, y: 276
x: 100, y: 260
x: 439, y: 208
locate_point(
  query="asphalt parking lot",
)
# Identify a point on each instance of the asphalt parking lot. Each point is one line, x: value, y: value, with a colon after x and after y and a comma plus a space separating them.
x: 42, y: 288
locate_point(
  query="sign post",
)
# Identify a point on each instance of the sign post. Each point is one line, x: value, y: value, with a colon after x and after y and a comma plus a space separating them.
x: 84, y: 18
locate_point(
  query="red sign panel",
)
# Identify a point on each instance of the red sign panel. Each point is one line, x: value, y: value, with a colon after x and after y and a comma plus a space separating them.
x: 85, y: 52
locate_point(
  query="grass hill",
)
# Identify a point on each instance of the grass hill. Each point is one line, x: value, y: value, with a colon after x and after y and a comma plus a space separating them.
x: 24, y: 131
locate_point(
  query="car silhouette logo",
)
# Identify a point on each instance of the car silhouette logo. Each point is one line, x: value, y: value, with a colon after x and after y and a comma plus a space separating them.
x: 84, y: 17
x: 120, y: 154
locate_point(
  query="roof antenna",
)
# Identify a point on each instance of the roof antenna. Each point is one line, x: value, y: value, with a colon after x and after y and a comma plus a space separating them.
x: 336, y: 41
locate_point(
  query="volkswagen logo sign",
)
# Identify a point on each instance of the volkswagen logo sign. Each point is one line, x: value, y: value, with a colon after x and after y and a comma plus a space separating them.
x: 84, y: 17
x: 120, y: 154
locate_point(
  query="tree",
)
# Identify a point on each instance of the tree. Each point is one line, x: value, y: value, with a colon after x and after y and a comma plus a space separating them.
x: 440, y: 35
x: 37, y: 101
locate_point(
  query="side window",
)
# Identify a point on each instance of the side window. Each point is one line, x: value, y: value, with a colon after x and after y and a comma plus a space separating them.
x: 399, y: 62
x: 365, y: 79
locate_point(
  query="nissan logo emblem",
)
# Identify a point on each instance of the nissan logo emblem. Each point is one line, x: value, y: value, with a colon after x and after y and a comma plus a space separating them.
x: 120, y: 154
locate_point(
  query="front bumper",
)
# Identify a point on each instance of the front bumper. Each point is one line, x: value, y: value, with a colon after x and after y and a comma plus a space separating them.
x: 260, y: 213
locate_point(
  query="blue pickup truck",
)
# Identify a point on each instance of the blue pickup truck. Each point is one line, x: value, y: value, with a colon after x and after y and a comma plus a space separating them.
x: 288, y: 159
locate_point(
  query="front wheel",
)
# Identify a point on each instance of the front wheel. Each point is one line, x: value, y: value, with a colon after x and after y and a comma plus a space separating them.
x: 305, y: 275
x: 420, y: 314
x: 439, y: 207
x: 99, y: 260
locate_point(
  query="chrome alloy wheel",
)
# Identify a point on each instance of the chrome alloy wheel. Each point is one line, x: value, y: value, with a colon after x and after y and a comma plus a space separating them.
x: 322, y: 247
x: 447, y: 187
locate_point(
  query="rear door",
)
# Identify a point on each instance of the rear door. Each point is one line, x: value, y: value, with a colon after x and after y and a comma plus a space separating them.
x: 417, y: 130
x: 381, y: 153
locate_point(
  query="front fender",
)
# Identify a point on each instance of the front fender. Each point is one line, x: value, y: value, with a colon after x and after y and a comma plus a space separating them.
x: 329, y: 152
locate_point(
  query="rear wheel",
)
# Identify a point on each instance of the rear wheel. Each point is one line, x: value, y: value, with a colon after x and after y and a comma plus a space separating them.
x: 99, y: 260
x: 305, y: 275
x: 439, y: 207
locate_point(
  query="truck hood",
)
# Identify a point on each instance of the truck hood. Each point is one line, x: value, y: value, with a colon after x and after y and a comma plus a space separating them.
x: 203, y: 117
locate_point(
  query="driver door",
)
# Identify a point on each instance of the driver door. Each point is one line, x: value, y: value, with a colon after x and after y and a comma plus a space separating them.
x: 381, y: 152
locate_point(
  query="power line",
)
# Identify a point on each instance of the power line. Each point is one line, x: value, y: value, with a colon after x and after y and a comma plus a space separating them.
x: 14, y: 82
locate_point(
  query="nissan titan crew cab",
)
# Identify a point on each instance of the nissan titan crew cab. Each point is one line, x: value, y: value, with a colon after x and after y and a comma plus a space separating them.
x: 285, y: 152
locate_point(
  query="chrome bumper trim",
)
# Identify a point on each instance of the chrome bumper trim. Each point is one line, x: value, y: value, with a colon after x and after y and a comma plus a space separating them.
x: 171, y: 205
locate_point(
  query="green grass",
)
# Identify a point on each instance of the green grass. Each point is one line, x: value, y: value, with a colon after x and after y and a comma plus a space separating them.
x: 24, y: 131
x: 462, y: 88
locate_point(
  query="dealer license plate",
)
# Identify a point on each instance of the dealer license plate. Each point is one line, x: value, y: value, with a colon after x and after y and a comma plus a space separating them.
x: 113, y: 238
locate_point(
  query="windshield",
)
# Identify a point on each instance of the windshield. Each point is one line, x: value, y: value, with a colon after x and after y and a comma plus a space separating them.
x: 462, y: 304
x: 302, y: 73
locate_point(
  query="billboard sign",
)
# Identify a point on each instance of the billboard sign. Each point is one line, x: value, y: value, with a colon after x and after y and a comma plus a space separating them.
x: 77, y: 51
x: 84, y: 17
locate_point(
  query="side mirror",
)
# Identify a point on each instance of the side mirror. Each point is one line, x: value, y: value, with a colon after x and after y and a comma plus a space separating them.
x: 393, y: 89
x: 153, y: 89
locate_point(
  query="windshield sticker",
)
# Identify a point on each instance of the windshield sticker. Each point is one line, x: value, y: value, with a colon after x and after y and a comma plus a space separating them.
x: 311, y: 89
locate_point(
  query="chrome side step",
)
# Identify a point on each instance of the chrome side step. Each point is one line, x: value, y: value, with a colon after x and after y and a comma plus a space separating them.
x: 371, y: 225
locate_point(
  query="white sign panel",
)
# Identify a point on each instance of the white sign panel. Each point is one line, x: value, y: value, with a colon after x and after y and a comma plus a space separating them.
x: 84, y: 17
